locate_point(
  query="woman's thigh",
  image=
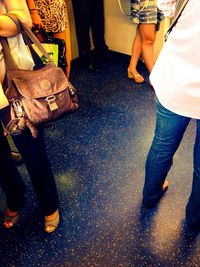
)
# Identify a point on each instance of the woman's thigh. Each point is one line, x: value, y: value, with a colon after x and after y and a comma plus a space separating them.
x: 148, y: 32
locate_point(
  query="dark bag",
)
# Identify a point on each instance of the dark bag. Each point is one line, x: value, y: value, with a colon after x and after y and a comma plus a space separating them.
x: 48, y: 40
x: 160, y: 18
x: 36, y: 96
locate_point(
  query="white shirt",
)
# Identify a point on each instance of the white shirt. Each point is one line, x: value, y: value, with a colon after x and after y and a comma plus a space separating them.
x: 167, y: 7
x: 176, y: 74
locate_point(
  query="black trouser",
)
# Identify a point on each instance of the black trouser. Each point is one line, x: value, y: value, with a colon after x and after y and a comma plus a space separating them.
x: 34, y: 154
x: 10, y: 179
x: 89, y: 14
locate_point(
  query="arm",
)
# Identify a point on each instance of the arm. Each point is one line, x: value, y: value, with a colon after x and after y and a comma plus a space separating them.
x: 3, y: 100
x: 31, y: 4
x: 167, y: 7
x: 18, y: 7
x: 36, y: 19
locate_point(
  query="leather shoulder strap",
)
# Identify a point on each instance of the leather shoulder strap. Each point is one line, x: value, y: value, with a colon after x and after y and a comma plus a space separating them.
x: 27, y: 33
x: 9, y: 62
x: 179, y: 9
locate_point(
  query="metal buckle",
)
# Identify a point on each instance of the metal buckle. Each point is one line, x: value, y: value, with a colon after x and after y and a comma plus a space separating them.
x: 18, y: 107
x: 51, y: 102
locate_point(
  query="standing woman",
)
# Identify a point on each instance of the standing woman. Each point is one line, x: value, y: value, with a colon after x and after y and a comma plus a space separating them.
x: 32, y: 149
x: 51, y: 15
x: 146, y: 16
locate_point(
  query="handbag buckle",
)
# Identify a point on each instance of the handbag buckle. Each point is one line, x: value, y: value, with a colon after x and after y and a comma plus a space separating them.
x: 18, y: 107
x: 51, y: 102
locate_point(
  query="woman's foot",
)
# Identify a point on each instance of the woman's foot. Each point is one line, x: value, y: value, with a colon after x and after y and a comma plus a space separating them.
x: 138, y: 78
x: 10, y: 218
x: 51, y: 222
x: 165, y: 186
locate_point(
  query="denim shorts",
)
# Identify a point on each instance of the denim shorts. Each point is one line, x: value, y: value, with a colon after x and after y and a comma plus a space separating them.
x: 145, y: 12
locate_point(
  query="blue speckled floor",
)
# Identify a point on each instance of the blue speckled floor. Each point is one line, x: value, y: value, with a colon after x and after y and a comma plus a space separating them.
x: 98, y: 156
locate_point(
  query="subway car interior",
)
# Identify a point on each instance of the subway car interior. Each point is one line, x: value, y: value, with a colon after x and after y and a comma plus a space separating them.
x: 98, y: 156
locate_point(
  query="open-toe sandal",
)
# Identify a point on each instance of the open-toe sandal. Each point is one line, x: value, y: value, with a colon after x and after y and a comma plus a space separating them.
x: 51, y: 225
x: 138, y: 78
x: 10, y: 221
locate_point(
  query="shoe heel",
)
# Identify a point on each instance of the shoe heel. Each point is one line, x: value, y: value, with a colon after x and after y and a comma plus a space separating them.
x: 130, y: 76
x: 10, y: 221
x: 138, y: 78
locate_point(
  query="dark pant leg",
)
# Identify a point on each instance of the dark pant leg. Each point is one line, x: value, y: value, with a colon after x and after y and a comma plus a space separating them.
x: 193, y: 206
x: 10, y: 179
x: 98, y: 25
x: 82, y: 17
x: 169, y: 131
x: 34, y: 154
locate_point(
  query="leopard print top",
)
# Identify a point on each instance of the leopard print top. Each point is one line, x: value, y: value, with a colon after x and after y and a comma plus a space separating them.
x: 53, y: 14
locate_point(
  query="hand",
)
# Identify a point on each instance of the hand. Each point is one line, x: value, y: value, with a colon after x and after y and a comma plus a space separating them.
x: 167, y: 7
x: 36, y: 19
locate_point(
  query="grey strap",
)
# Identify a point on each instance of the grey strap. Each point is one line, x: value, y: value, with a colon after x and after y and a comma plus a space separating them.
x: 26, y: 32
x: 179, y: 9
x: 10, y: 64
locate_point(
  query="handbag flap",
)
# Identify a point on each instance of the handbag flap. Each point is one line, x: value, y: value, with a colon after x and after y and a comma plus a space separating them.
x: 40, y: 83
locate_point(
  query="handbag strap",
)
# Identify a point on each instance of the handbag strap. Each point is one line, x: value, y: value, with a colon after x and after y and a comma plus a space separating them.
x: 179, y: 9
x: 10, y: 64
x: 28, y: 36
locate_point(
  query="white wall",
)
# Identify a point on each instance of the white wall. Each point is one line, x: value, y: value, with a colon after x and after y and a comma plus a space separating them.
x: 70, y: 31
x: 119, y: 30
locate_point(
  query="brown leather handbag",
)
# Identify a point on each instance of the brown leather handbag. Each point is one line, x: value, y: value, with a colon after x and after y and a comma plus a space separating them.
x: 36, y: 96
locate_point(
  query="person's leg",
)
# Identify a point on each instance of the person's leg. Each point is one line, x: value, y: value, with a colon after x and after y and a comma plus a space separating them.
x: 98, y: 26
x: 193, y: 205
x: 10, y: 179
x: 34, y: 154
x: 62, y: 36
x: 147, y: 32
x: 169, y: 131
x: 136, y: 53
x: 82, y: 17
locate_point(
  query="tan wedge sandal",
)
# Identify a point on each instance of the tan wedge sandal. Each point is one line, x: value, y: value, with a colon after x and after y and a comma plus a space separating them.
x: 138, y: 78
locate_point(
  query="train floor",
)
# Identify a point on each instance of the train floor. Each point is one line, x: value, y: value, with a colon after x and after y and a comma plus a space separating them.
x: 98, y: 157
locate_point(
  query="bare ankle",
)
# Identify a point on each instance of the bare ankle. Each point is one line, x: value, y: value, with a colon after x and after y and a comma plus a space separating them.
x: 52, y: 216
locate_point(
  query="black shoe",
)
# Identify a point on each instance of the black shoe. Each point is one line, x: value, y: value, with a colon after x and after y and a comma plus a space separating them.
x: 93, y: 67
x: 107, y: 57
x: 193, y: 227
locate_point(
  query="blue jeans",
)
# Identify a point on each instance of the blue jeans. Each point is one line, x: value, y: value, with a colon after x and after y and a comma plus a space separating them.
x: 169, y: 131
